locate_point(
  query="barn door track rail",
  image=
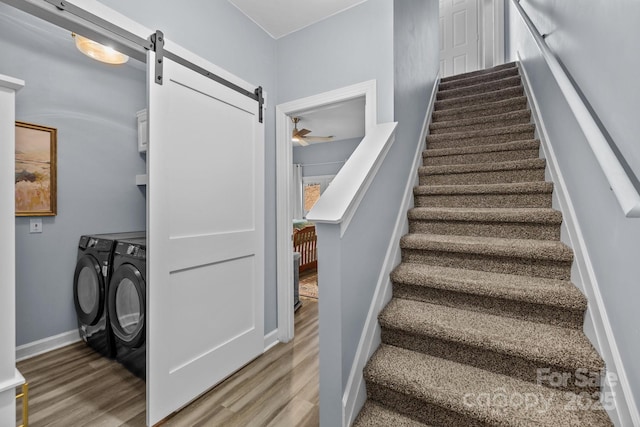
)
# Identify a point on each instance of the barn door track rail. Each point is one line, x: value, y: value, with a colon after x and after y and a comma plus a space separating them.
x: 155, y: 43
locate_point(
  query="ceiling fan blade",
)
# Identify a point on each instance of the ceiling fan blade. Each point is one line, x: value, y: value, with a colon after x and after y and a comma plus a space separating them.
x: 303, y: 132
x: 302, y: 142
x: 318, y: 138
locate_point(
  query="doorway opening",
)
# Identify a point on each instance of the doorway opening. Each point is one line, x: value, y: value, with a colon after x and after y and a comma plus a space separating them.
x: 304, y: 170
x: 471, y: 35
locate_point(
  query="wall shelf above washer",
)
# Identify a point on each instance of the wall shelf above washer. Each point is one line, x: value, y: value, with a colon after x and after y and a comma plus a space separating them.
x: 142, y: 179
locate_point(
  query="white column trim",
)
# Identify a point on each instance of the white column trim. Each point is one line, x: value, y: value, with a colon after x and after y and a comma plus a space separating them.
x: 284, y: 165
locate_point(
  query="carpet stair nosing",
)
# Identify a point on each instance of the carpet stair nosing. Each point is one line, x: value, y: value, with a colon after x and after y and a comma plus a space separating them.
x: 483, y: 167
x: 480, y: 87
x: 524, y: 115
x: 479, y: 99
x: 513, y: 223
x: 560, y: 294
x: 375, y: 415
x: 489, y: 246
x: 508, y: 188
x: 521, y: 170
x: 480, y: 110
x: 525, y: 215
x: 525, y: 144
x: 460, y: 136
x: 513, y: 120
x: 455, y: 387
x: 550, y: 301
x: 491, y: 71
x: 469, y: 81
x: 548, y: 345
x: 482, y: 157
x: 519, y: 194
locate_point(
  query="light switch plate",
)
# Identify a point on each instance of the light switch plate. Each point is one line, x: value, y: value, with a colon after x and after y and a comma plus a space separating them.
x: 35, y: 225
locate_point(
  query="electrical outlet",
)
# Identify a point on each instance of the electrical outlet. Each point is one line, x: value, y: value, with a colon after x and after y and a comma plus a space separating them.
x: 35, y: 225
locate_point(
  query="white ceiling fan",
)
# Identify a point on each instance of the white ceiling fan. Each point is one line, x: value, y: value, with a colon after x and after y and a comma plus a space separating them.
x: 300, y: 135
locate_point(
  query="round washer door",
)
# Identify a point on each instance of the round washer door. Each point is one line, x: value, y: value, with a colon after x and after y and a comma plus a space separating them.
x: 88, y: 290
x: 126, y: 302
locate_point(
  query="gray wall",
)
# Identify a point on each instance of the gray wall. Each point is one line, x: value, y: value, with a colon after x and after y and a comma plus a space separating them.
x: 93, y: 107
x: 354, y: 261
x: 348, y: 48
x: 597, y: 45
x: 220, y: 33
x: 330, y: 152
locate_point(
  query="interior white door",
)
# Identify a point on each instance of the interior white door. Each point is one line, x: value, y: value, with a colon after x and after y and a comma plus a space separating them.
x: 205, y: 287
x: 458, y: 36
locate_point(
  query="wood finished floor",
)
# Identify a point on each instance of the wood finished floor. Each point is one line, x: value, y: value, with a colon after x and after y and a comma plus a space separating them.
x: 74, y: 386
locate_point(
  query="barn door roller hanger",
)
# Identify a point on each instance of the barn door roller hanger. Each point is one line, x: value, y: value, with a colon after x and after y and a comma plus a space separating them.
x: 155, y: 42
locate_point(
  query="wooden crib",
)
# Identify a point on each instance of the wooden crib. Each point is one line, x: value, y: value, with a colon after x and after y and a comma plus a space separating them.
x: 304, y: 242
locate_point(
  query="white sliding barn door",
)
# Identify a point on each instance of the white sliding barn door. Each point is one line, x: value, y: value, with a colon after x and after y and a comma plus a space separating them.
x: 205, y: 284
x: 458, y: 36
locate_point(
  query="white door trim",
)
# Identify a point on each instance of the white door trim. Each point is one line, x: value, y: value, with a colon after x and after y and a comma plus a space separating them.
x: 498, y: 32
x: 9, y: 375
x: 491, y: 33
x: 284, y: 166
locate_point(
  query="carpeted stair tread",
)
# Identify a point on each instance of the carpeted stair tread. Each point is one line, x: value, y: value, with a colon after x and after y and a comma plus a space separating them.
x: 526, y: 144
x: 488, y: 71
x: 490, y: 246
x: 482, y: 167
x: 496, y: 120
x: 485, y: 153
x: 518, y: 194
x: 481, y: 137
x: 500, y: 152
x: 530, y: 215
x: 535, y: 290
x: 504, y: 222
x: 482, y: 98
x: 375, y: 415
x: 468, y: 81
x: 480, y: 110
x: 458, y: 136
x: 510, y: 188
x: 544, y: 344
x: 520, y: 170
x: 415, y: 381
x: 481, y: 87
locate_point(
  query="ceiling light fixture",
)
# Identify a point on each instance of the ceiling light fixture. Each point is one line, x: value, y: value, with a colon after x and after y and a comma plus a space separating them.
x: 99, y: 52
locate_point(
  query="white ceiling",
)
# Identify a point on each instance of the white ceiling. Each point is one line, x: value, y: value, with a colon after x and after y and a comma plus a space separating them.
x: 281, y: 17
x: 342, y: 120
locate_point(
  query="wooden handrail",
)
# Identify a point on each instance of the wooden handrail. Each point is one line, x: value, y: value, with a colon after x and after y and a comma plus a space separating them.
x: 619, y: 181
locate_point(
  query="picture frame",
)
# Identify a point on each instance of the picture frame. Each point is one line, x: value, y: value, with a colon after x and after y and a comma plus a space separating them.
x: 35, y: 170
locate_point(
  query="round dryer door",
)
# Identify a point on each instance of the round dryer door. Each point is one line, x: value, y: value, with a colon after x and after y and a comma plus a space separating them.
x: 126, y: 304
x: 88, y: 290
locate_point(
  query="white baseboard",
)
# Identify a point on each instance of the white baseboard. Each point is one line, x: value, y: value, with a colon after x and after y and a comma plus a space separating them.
x: 583, y: 275
x: 355, y: 393
x: 270, y: 340
x: 44, y: 345
x: 26, y: 351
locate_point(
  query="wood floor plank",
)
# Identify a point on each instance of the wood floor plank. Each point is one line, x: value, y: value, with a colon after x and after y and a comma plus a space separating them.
x: 293, y: 412
x: 75, y: 387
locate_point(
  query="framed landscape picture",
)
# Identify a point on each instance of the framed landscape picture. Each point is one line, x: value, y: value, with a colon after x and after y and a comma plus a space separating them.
x: 35, y: 170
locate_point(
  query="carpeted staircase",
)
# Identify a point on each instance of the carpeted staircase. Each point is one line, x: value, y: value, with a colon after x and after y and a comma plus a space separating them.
x: 482, y: 298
